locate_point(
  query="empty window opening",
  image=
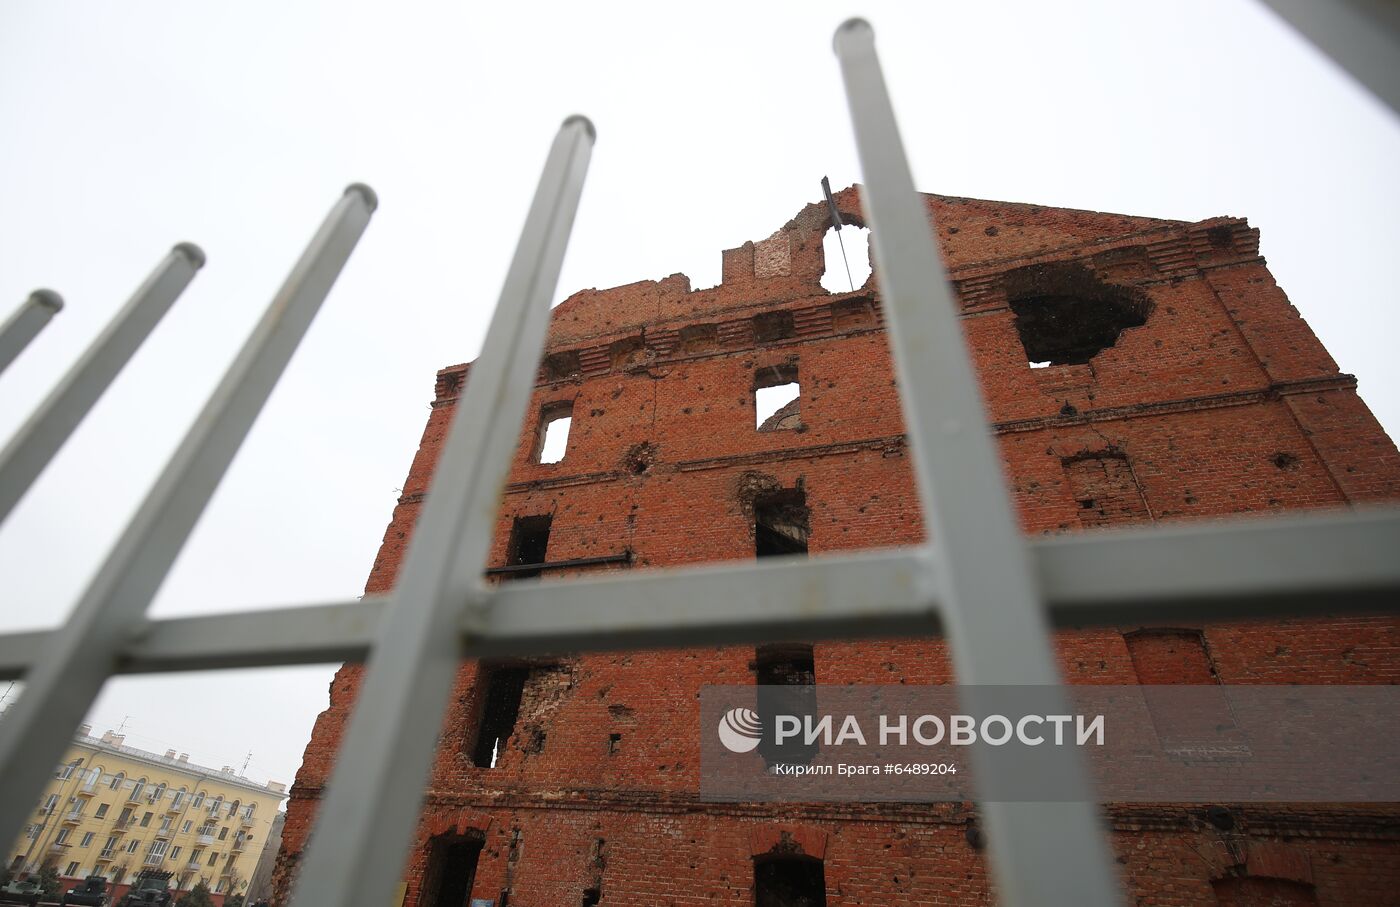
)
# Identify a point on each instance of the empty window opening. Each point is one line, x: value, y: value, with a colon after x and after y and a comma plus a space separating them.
x: 777, y: 399
x: 552, y: 437
x: 1105, y: 490
x: 614, y: 743
x: 451, y: 871
x: 782, y: 523
x: 786, y: 678
x: 1067, y: 315
x: 499, y: 712
x: 789, y: 881
x: 699, y: 338
x: 529, y: 542
x: 773, y: 326
x: 847, y: 256
x: 559, y: 366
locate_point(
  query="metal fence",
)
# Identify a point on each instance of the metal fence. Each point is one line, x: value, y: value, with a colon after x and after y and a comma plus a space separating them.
x: 995, y: 594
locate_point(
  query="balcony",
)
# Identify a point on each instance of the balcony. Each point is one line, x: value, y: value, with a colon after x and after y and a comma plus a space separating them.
x: 60, y: 846
x: 133, y: 796
x: 121, y: 826
x: 204, y: 840
x: 238, y: 842
x: 192, y: 866
x: 165, y: 831
x: 106, y: 855
x: 154, y: 859
x: 86, y: 790
x: 174, y: 806
x: 246, y: 821
x: 73, y: 817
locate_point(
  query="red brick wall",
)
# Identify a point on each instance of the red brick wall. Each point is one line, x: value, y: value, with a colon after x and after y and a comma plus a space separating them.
x: 1223, y: 402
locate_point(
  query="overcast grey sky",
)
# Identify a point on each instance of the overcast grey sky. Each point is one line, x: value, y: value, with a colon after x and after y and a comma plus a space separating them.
x: 128, y: 127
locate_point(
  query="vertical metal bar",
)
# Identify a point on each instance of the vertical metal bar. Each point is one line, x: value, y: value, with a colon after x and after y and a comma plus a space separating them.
x: 1043, y: 853
x: 1361, y: 36
x: 79, y: 657
x: 30, y: 450
x: 372, y: 801
x: 27, y: 321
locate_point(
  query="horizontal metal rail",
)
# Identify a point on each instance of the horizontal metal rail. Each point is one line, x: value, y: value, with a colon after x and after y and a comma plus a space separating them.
x: 1306, y: 566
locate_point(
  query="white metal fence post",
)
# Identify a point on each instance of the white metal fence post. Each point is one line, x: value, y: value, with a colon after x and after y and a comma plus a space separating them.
x: 372, y: 801
x: 30, y: 450
x: 26, y: 322
x: 1044, y: 853
x: 79, y: 657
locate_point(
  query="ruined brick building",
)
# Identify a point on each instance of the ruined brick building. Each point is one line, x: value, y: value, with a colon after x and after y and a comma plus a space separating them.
x: 1135, y: 370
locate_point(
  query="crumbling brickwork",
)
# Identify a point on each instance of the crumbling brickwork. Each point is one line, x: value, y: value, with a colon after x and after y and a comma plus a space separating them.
x: 1199, y: 393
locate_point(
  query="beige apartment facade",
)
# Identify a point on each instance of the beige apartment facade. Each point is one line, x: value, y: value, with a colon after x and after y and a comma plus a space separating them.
x: 115, y: 810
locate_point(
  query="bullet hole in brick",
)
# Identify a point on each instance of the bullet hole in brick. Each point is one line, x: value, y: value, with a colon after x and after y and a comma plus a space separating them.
x: 699, y: 338
x: 777, y: 398
x: 1284, y: 460
x: 1066, y: 315
x: 558, y: 366
x: 535, y: 745
x: 640, y: 458
x: 782, y: 523
x: 789, y: 881
x: 552, y: 436
x: 849, y: 247
x: 991, y: 231
x: 451, y: 870
x: 529, y: 542
x: 504, y: 687
x: 614, y: 743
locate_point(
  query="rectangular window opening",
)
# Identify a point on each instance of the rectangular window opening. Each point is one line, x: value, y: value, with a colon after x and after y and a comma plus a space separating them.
x: 781, y: 523
x: 777, y: 398
x: 529, y: 542
x: 552, y: 436
x: 786, y: 677
x: 499, y: 711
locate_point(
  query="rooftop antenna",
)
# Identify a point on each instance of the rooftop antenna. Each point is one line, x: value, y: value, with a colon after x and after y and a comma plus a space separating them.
x: 121, y: 728
x: 246, y: 759
x: 836, y: 222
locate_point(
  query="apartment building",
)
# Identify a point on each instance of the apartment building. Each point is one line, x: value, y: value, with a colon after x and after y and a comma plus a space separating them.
x: 115, y: 810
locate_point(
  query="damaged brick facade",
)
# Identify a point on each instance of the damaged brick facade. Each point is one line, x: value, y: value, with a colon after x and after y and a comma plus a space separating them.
x: 1200, y: 393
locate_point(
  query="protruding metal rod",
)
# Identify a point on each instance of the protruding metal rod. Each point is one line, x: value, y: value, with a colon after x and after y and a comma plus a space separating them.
x: 365, y: 824
x: 30, y: 450
x: 78, y: 658
x: 27, y: 321
x: 1044, y: 854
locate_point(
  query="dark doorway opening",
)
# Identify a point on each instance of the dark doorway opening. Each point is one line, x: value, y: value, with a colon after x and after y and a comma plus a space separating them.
x: 451, y: 871
x: 789, y: 882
